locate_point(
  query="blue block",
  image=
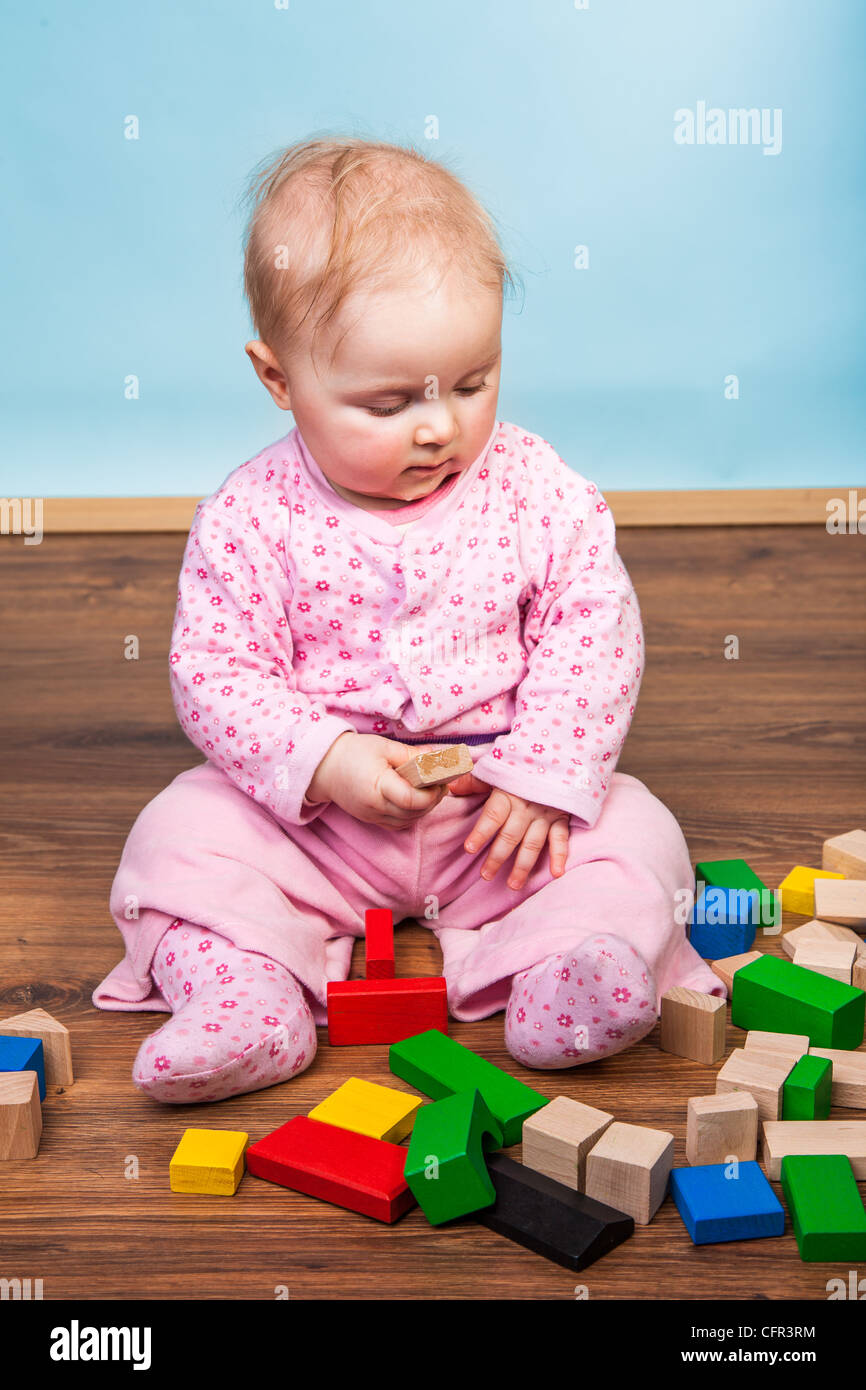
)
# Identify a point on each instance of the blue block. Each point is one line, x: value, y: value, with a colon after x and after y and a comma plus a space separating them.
x: 724, y: 922
x: 716, y: 1208
x: 23, y: 1054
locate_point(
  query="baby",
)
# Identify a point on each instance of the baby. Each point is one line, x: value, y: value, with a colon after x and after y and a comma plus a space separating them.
x: 400, y: 571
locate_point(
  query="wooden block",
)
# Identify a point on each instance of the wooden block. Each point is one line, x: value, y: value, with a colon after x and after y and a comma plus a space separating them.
x: 437, y: 766
x: 629, y: 1169
x: 366, y: 1108
x: 835, y: 959
x: 20, y: 1114
x: 379, y: 943
x: 846, y: 854
x: 826, y: 1208
x: 721, y: 924
x: 553, y: 1220
x: 56, y: 1047
x: 208, y: 1160
x: 848, y: 1077
x: 727, y: 967
x: 23, y: 1054
x: 693, y: 1025
x: 445, y: 1165
x: 718, y: 1205
x: 858, y: 975
x: 793, y: 1045
x: 557, y: 1139
x: 820, y: 931
x: 384, y: 1011
x: 439, y: 1066
x: 779, y: 996
x: 798, y: 889
x: 807, y: 1088
x: 782, y: 1137
x: 335, y: 1165
x: 728, y: 873
x: 761, y: 1074
x: 841, y: 900
x: 722, y: 1127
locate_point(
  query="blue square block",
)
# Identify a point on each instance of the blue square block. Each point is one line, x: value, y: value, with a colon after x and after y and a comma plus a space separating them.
x: 724, y: 922
x: 716, y: 1208
x: 23, y: 1054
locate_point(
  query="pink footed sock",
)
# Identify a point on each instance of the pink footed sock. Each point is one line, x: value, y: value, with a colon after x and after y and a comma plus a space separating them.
x: 577, y: 1006
x: 239, y: 1021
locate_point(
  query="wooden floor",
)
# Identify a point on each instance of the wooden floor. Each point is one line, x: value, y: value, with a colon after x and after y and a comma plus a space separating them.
x: 762, y: 757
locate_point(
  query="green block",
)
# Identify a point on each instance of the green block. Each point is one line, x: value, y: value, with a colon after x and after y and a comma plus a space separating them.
x: 445, y: 1166
x: 728, y: 873
x: 826, y: 1207
x: 440, y: 1067
x: 806, y: 1092
x: 778, y: 996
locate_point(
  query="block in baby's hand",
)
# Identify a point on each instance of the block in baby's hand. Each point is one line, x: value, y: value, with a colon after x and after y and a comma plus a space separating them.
x: 438, y: 765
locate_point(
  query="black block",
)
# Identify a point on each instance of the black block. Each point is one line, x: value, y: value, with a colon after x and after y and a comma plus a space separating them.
x: 549, y: 1218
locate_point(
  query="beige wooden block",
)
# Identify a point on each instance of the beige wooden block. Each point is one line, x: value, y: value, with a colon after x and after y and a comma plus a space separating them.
x: 20, y: 1114
x: 693, y: 1025
x: 437, y: 766
x: 846, y: 854
x: 726, y: 968
x: 835, y: 959
x: 783, y: 1137
x: 55, y: 1042
x: 849, y: 1076
x: 793, y: 1045
x: 721, y: 1127
x: 629, y: 1169
x: 858, y: 974
x: 557, y: 1139
x: 841, y: 900
x: 820, y: 931
x: 763, y: 1074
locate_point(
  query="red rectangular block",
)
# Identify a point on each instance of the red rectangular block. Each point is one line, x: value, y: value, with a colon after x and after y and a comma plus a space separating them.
x: 336, y: 1165
x: 379, y: 943
x: 385, y: 1011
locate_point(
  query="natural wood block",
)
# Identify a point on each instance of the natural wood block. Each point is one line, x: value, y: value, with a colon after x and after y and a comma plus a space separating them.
x: 208, y: 1160
x: 793, y: 1045
x: 20, y: 1114
x: 781, y: 1137
x: 436, y: 766
x: 858, y: 974
x: 841, y: 900
x: 367, y: 1108
x: 629, y: 1168
x: 721, y: 1127
x: 835, y: 959
x: 557, y: 1139
x: 693, y: 1025
x: 798, y: 889
x: 761, y: 1074
x: 849, y: 1075
x: 727, y: 967
x: 55, y: 1042
x: 846, y: 854
x: 820, y: 931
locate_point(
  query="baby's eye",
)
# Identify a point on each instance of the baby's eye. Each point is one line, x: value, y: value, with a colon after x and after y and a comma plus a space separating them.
x: 395, y: 409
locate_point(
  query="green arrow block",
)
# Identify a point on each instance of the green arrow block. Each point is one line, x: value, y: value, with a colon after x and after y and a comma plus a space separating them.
x: 826, y: 1207
x: 440, y: 1067
x: 806, y: 1092
x: 778, y: 996
x: 445, y: 1166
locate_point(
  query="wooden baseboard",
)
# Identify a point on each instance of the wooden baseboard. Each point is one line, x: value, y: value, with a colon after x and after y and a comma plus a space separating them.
x: 807, y: 506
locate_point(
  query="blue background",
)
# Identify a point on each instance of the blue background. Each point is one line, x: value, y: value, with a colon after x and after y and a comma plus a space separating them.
x: 125, y: 256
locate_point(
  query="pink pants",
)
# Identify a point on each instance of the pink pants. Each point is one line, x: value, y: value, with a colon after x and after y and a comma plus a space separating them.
x: 204, y: 851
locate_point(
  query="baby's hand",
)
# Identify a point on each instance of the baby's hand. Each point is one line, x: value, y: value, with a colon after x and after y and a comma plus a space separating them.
x: 359, y: 773
x: 522, y: 825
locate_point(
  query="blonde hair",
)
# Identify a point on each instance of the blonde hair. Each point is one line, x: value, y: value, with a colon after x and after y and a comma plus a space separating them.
x: 335, y: 214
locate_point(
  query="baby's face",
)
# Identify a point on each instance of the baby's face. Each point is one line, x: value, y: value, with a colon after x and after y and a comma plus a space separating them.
x: 414, y: 383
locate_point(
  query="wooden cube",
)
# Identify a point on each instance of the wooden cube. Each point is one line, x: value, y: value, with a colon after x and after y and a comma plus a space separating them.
x: 721, y: 1127
x: 848, y: 1081
x: 846, y: 854
x: 858, y: 974
x: 835, y: 959
x: 729, y: 965
x: 55, y: 1042
x: 820, y: 931
x: 20, y: 1114
x: 798, y: 889
x: 761, y: 1074
x: 841, y: 900
x: 436, y: 766
x: 557, y: 1139
x: 629, y: 1168
x: 208, y: 1160
x: 693, y: 1025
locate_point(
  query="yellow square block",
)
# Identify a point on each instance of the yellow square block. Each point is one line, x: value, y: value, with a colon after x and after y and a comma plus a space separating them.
x: 208, y: 1160
x: 366, y: 1108
x: 798, y: 889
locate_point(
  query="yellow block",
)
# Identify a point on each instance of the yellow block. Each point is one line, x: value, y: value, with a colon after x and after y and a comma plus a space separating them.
x: 798, y: 889
x: 209, y: 1160
x: 366, y: 1108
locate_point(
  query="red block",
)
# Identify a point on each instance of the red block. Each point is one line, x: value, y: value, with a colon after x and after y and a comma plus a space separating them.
x: 379, y: 943
x: 336, y: 1165
x: 385, y: 1011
